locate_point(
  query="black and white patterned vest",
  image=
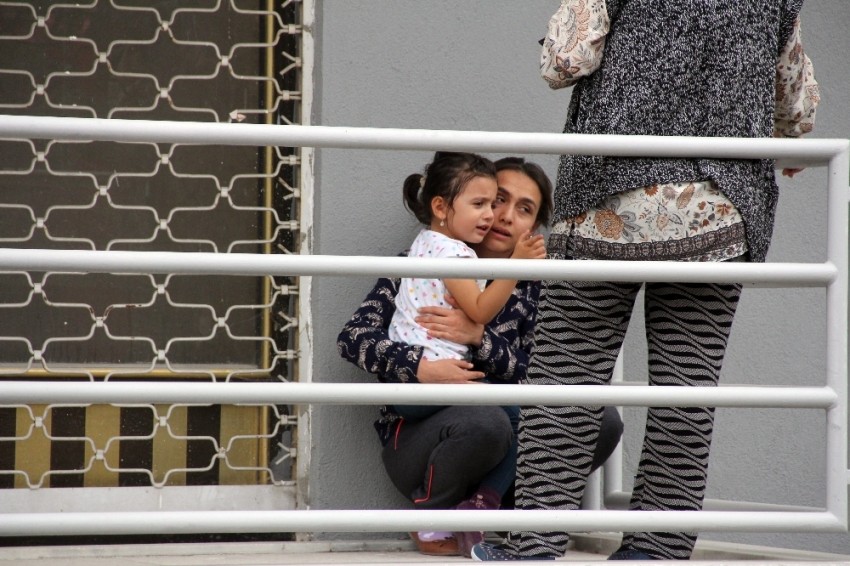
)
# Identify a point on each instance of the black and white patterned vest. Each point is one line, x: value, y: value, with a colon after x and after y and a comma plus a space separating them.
x: 682, y: 68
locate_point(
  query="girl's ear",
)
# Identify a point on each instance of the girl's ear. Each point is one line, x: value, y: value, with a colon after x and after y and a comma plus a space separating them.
x: 439, y: 208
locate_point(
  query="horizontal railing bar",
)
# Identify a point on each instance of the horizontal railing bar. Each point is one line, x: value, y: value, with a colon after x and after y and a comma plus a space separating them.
x: 207, y: 263
x: 89, y: 392
x: 236, y: 521
x: 622, y: 499
x: 809, y: 152
x: 813, y: 151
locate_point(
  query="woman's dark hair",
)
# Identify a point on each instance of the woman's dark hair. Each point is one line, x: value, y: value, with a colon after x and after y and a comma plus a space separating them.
x: 534, y: 172
x: 445, y: 176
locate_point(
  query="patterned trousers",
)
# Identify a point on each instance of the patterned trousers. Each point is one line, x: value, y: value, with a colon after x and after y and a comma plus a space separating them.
x: 580, y: 328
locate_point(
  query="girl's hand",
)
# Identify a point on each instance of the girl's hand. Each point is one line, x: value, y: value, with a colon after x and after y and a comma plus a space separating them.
x: 530, y: 246
x: 790, y: 172
x: 450, y: 324
x: 447, y: 371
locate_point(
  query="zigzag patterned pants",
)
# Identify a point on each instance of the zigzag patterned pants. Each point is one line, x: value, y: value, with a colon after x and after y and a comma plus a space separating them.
x: 580, y: 328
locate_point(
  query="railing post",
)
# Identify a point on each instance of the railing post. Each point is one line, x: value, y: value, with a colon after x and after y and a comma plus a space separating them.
x: 838, y: 177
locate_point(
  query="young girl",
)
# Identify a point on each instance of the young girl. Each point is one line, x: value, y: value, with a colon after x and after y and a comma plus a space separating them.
x: 454, y: 199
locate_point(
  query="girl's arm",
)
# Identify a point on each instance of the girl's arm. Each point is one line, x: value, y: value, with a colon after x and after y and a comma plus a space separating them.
x: 480, y: 306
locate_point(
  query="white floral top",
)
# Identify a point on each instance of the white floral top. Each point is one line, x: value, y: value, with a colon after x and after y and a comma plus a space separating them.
x: 414, y: 293
x: 677, y: 221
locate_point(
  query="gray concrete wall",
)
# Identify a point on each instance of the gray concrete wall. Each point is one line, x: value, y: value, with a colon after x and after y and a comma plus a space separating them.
x: 472, y: 65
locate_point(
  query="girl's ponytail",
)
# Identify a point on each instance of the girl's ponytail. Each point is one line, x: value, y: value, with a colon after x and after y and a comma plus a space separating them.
x: 413, y: 198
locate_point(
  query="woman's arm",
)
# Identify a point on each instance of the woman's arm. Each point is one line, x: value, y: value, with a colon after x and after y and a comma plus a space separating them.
x: 365, y: 342
x: 501, y: 349
x: 797, y: 93
x: 574, y: 42
x: 506, y: 346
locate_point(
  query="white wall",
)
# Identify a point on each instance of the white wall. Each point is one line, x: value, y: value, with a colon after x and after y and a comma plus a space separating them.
x: 472, y: 65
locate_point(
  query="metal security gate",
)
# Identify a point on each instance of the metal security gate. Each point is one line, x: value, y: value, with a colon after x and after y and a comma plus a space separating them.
x: 207, y: 61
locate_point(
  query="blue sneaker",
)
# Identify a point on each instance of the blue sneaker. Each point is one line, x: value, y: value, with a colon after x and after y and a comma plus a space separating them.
x: 630, y: 554
x: 486, y: 552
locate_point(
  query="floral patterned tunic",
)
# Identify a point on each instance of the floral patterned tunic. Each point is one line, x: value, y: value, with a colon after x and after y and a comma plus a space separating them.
x: 676, y: 221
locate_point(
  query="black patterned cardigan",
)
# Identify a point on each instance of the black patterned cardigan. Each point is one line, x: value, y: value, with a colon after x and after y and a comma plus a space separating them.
x: 502, y: 356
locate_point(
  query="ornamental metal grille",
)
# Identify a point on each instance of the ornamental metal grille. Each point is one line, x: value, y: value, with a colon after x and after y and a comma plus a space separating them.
x: 194, y: 60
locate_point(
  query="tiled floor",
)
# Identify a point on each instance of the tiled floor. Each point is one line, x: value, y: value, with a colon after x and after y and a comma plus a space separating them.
x: 236, y: 554
x: 377, y: 552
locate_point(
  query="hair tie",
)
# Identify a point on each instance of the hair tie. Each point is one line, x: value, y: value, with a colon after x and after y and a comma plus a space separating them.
x: 421, y: 182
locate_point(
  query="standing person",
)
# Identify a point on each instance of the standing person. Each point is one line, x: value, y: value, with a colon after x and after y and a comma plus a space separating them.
x: 462, y: 457
x: 653, y: 67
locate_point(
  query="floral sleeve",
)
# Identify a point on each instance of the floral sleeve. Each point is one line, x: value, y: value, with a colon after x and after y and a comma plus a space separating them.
x: 365, y: 342
x: 797, y: 93
x: 574, y: 42
x: 508, y: 340
x: 500, y: 360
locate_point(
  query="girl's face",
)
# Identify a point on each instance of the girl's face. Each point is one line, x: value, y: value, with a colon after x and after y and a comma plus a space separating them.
x: 471, y: 214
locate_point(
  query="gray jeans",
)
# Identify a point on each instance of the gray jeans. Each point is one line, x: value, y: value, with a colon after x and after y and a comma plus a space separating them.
x: 441, y: 460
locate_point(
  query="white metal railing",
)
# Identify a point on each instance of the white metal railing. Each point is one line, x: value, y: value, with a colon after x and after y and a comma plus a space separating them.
x: 831, y: 274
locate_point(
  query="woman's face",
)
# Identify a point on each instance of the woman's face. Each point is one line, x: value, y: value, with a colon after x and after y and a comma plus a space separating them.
x: 515, y: 211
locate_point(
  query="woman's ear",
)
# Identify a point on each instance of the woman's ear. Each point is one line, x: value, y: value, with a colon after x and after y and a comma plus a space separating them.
x: 439, y: 208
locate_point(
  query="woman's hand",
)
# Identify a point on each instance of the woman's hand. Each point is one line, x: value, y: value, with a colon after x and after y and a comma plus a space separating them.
x: 447, y: 371
x: 450, y: 324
